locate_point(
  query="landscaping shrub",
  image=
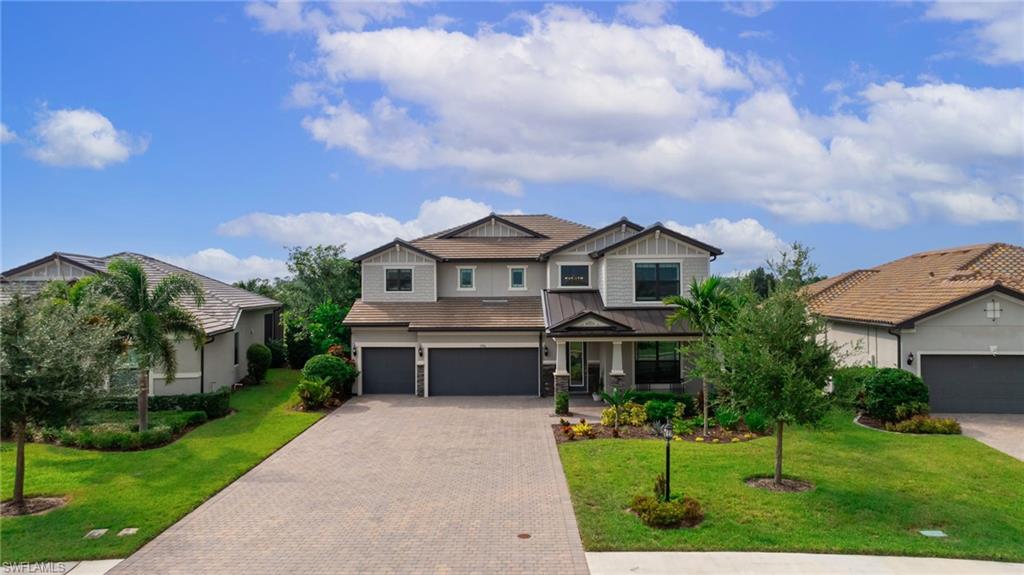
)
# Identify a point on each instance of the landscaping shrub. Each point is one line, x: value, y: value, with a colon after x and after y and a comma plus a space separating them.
x: 313, y: 392
x: 259, y: 358
x: 727, y: 417
x: 582, y: 429
x: 908, y: 410
x: 756, y: 421
x: 215, y: 404
x: 688, y: 402
x: 338, y: 350
x: 926, y: 424
x: 660, y: 410
x: 278, y: 353
x: 299, y: 347
x: 654, y: 512
x: 699, y: 422
x: 338, y: 373
x: 848, y: 385
x: 562, y: 403
x: 632, y: 414
x: 683, y: 426
x: 888, y: 388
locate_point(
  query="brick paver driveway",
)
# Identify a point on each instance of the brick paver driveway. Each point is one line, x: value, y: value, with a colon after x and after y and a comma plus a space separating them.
x: 390, y: 484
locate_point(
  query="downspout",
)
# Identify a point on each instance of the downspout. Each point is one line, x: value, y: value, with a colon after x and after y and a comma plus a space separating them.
x: 899, y: 348
x: 202, y: 368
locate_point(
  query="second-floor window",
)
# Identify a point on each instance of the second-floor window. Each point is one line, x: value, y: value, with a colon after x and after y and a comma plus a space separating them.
x: 398, y: 279
x: 516, y: 277
x: 467, y: 278
x: 656, y: 281
x: 573, y: 275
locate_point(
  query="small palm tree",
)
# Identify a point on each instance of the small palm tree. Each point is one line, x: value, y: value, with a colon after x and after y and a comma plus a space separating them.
x: 618, y: 398
x: 150, y: 322
x: 706, y: 307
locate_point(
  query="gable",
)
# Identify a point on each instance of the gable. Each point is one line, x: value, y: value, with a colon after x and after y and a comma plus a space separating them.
x: 493, y: 229
x: 658, y: 244
x: 398, y: 255
x: 53, y: 269
x: 602, y: 241
x: 589, y: 321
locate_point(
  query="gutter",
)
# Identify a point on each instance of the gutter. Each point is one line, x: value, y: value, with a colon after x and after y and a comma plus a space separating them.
x: 899, y: 347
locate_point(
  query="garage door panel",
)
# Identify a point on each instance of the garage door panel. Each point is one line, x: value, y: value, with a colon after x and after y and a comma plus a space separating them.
x: 483, y: 371
x: 974, y: 383
x: 389, y: 370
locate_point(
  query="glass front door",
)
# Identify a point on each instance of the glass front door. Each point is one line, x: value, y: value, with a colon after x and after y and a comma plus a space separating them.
x: 577, y: 365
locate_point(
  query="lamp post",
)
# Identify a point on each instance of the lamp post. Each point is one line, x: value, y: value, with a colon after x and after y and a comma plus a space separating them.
x: 666, y: 432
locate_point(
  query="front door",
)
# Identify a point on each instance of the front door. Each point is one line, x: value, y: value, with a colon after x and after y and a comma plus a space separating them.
x: 577, y: 366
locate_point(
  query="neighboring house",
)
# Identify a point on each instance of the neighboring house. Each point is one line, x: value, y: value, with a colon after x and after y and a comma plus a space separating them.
x: 955, y: 317
x: 524, y: 305
x: 232, y: 317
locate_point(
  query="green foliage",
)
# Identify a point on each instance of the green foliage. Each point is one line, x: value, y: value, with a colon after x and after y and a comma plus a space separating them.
x: 848, y: 385
x: 756, y: 421
x: 706, y: 308
x: 582, y: 430
x: 925, y: 424
x: 727, y: 417
x: 914, y: 408
x: 794, y: 268
x: 562, y: 403
x: 258, y: 358
x: 313, y: 392
x: 113, y: 430
x: 321, y: 274
x: 683, y: 426
x: 660, y: 411
x: 616, y: 399
x: 215, y: 404
x: 654, y: 512
x: 325, y: 327
x: 760, y: 282
x: 278, y: 353
x: 298, y: 345
x: 688, y: 402
x: 888, y: 388
x: 339, y: 373
x: 260, y: 286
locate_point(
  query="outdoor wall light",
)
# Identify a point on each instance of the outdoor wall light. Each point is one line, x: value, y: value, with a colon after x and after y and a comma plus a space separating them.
x: 355, y: 351
x: 419, y: 351
x: 910, y: 358
x: 545, y: 351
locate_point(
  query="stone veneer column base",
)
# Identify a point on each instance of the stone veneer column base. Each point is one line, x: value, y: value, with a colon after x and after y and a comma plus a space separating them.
x: 561, y: 384
x: 617, y: 382
x: 419, y: 380
x: 547, y: 380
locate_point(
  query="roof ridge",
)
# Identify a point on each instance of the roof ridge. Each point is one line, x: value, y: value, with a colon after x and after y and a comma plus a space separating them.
x: 969, y: 263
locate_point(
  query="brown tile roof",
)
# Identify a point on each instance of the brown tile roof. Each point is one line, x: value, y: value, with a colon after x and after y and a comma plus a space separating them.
x: 902, y: 291
x: 563, y: 305
x: 557, y: 230
x: 452, y: 314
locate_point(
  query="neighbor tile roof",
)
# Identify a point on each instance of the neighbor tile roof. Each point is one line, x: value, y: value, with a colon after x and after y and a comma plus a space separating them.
x: 449, y: 314
x: 904, y: 290
x: 557, y: 230
x: 560, y: 305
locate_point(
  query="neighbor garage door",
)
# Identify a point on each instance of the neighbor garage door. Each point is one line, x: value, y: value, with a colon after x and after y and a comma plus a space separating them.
x: 389, y: 370
x: 477, y: 371
x: 974, y: 383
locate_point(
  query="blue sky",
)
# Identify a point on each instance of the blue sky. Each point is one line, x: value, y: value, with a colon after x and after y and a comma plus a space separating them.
x: 214, y: 134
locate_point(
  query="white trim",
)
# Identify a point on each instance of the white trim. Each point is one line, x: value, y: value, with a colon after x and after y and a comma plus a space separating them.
x: 919, y: 357
x: 183, y: 375
x: 412, y: 278
x: 359, y: 360
x: 589, y: 274
x: 525, y: 269
x: 632, y: 275
x: 458, y: 278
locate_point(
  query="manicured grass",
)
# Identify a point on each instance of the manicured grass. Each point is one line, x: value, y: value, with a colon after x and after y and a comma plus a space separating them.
x: 874, y: 491
x: 145, y: 489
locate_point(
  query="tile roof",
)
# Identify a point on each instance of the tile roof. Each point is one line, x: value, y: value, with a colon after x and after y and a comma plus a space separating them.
x: 452, y: 314
x: 557, y: 230
x: 562, y: 305
x: 223, y: 301
x: 909, y: 288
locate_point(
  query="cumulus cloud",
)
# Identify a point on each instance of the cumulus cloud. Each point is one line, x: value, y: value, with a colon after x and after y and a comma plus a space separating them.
x: 746, y: 242
x: 646, y: 12
x: 225, y: 266
x: 756, y: 34
x: 318, y: 17
x: 573, y: 99
x: 748, y: 9
x: 6, y: 134
x: 997, y: 32
x: 82, y: 137
x: 970, y: 207
x: 359, y: 231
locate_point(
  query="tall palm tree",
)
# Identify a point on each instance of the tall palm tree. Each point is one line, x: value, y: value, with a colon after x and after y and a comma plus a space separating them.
x: 151, y: 321
x: 706, y: 307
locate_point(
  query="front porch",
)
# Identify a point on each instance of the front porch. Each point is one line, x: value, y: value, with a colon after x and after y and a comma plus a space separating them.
x: 584, y: 366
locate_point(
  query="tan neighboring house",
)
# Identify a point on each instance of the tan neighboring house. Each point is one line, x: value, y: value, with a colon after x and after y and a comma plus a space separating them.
x: 955, y: 317
x: 524, y: 305
x: 232, y: 317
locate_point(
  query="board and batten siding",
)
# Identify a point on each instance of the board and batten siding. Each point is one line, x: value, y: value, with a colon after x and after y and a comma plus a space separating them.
x: 493, y: 229
x: 52, y: 270
x: 424, y: 270
x: 617, y: 285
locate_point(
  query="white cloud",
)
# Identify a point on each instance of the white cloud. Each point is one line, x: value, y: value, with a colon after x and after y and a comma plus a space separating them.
x: 441, y: 21
x: 756, y: 34
x: 320, y: 17
x: 6, y: 134
x: 305, y: 95
x: 748, y: 9
x: 746, y: 242
x: 359, y: 231
x: 997, y: 36
x: 645, y: 12
x: 82, y: 137
x: 220, y: 264
x: 572, y: 99
x: 969, y: 207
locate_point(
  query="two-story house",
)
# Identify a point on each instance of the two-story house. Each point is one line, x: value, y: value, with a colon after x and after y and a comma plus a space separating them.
x: 524, y: 305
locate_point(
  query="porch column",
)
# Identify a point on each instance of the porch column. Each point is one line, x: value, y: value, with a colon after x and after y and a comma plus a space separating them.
x: 561, y: 369
x: 616, y: 375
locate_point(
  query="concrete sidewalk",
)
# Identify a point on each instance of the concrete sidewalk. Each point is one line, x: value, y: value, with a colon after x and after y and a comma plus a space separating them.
x: 649, y: 563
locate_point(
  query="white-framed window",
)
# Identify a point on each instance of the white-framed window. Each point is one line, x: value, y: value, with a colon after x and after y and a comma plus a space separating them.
x: 517, y: 277
x: 398, y: 279
x: 574, y: 275
x: 467, y: 278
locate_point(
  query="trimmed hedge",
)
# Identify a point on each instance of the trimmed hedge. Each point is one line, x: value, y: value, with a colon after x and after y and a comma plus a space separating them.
x: 848, y: 385
x: 278, y: 353
x: 888, y: 388
x: 259, y: 358
x: 216, y: 404
x: 123, y: 436
x: 339, y: 373
x: 642, y: 397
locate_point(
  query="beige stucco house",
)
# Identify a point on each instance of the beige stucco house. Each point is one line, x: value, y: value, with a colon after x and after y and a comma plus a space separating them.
x: 955, y: 317
x: 233, y: 318
x: 524, y: 305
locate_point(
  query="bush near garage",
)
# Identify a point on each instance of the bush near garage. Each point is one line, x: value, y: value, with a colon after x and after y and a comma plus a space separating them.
x: 888, y: 388
x: 338, y: 372
x: 848, y: 385
x: 258, y: 358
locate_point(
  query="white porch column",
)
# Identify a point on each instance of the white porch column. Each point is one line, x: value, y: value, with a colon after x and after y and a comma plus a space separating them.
x: 616, y: 360
x: 561, y: 368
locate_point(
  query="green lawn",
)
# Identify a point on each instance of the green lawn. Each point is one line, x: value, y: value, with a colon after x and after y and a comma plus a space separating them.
x: 874, y: 491
x: 145, y: 489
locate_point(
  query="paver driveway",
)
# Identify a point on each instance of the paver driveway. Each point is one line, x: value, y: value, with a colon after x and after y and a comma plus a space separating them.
x: 390, y: 484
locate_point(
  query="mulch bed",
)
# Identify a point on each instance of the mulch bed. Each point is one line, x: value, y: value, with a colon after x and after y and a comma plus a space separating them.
x: 646, y: 432
x: 787, y: 486
x: 331, y: 404
x: 33, y: 506
x: 868, y: 421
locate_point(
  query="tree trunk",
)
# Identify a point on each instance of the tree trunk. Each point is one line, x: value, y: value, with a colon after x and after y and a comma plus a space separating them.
x: 704, y: 393
x: 19, y: 465
x: 143, y: 399
x: 778, y: 452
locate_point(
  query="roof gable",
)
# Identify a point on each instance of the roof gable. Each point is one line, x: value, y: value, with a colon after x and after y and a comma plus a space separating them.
x: 589, y: 320
x: 492, y: 226
x: 398, y: 245
x: 608, y: 235
x: 665, y: 242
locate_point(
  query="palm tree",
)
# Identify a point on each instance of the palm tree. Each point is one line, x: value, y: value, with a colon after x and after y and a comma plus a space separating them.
x: 150, y: 321
x: 617, y: 399
x: 707, y: 306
